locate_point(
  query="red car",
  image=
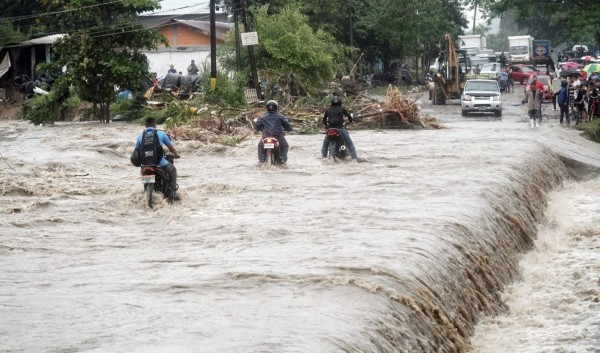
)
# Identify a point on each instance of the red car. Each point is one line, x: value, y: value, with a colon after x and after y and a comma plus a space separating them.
x: 521, y: 73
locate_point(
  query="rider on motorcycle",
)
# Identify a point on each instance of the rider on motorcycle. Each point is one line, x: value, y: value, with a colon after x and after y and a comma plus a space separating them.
x: 273, y: 124
x: 334, y: 118
x: 148, y: 137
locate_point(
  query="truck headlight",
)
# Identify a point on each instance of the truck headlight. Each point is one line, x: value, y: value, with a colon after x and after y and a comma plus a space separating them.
x: 466, y: 97
x: 497, y: 98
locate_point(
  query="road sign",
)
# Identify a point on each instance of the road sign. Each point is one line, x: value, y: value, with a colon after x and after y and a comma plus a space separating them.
x: 249, y: 38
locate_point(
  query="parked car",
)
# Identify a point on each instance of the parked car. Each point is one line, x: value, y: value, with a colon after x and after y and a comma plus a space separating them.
x: 521, y: 73
x: 491, y: 69
x: 481, y: 95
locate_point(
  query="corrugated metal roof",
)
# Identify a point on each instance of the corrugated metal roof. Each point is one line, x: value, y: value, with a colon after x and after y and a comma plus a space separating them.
x: 203, y: 26
x: 43, y: 40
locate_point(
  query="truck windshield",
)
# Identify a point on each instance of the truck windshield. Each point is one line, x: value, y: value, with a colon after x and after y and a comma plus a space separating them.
x: 486, y: 86
x: 521, y: 49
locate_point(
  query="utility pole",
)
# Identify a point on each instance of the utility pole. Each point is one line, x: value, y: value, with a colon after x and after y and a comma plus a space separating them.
x: 474, y: 18
x: 213, y: 47
x: 236, y: 11
x: 251, y: 57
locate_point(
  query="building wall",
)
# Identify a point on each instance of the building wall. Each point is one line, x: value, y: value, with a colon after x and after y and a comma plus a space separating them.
x: 160, y: 60
x: 186, y: 44
x: 180, y: 35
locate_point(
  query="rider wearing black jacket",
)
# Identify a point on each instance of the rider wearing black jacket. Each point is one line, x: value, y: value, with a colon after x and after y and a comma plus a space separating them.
x: 273, y: 124
x: 334, y: 118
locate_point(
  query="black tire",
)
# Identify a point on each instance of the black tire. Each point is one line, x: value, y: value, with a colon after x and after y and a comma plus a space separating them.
x: 331, y: 150
x: 149, y: 191
x: 464, y: 112
x: 498, y: 113
x: 269, y: 157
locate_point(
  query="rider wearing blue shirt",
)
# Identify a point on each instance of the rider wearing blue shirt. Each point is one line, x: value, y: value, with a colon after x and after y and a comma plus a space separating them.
x: 163, y: 163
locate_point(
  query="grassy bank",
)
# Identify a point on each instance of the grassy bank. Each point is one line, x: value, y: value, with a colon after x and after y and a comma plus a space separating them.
x: 591, y: 130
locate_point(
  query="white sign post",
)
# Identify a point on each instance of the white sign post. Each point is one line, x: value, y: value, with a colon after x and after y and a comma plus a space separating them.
x: 249, y: 38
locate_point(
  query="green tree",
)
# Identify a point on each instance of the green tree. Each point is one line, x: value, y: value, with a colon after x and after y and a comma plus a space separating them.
x: 22, y: 20
x: 289, y: 52
x: 103, y: 50
x: 560, y: 21
x: 406, y: 27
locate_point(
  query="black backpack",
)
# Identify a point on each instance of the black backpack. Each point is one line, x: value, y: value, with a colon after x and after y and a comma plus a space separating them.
x: 151, y: 149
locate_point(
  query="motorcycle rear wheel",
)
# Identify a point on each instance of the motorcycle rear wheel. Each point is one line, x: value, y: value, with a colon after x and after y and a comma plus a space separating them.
x: 332, y: 150
x: 149, y: 191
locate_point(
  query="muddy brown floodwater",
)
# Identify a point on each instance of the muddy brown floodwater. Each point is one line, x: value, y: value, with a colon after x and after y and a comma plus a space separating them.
x: 405, y: 252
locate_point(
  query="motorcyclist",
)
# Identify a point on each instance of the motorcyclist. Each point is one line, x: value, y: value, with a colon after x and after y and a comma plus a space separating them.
x: 334, y: 118
x: 162, y: 139
x: 273, y: 124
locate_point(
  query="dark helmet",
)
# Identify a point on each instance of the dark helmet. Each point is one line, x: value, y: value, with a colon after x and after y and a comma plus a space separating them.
x: 272, y: 106
x: 335, y: 100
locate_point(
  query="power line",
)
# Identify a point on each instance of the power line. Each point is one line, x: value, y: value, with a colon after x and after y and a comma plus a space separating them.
x: 116, y: 30
x: 19, y: 18
x: 121, y: 26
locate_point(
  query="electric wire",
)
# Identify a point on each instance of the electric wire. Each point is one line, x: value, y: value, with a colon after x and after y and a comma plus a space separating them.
x: 27, y: 17
x: 99, y: 30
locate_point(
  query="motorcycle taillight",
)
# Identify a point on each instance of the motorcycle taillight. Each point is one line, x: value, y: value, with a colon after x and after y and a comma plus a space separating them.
x: 147, y: 170
x: 332, y: 132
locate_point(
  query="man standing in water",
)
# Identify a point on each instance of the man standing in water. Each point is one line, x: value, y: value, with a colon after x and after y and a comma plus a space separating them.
x: 533, y: 98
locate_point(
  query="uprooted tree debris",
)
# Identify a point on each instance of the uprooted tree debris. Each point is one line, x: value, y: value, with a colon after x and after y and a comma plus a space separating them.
x: 231, y: 126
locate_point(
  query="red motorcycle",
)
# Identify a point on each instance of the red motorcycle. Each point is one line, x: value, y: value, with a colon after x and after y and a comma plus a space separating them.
x: 271, y: 147
x: 336, y: 148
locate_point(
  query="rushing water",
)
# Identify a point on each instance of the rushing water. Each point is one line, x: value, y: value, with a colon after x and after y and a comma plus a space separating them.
x: 402, y: 253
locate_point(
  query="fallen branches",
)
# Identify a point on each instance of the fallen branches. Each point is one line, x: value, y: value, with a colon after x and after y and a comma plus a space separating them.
x: 233, y: 125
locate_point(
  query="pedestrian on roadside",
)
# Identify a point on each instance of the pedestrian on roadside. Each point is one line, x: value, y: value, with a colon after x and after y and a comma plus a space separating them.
x: 554, y: 89
x: 502, y: 60
x: 369, y: 79
x: 172, y: 69
x: 193, y: 69
x: 563, y: 101
x: 580, y: 104
x: 511, y: 81
x: 503, y: 79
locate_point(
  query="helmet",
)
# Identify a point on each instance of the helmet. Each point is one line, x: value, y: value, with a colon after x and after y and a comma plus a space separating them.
x: 335, y: 100
x: 272, y: 106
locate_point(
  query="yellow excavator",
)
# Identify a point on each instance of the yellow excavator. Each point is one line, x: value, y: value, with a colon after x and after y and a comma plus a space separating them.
x: 449, y: 81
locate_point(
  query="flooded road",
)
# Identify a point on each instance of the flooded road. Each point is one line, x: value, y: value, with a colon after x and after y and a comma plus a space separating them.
x: 401, y: 253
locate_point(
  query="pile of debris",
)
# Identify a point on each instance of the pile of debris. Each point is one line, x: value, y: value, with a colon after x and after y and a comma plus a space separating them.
x: 231, y: 125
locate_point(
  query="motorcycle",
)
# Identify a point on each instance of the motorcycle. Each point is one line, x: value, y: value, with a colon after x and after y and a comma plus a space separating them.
x: 336, y: 148
x: 271, y: 147
x: 155, y: 179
